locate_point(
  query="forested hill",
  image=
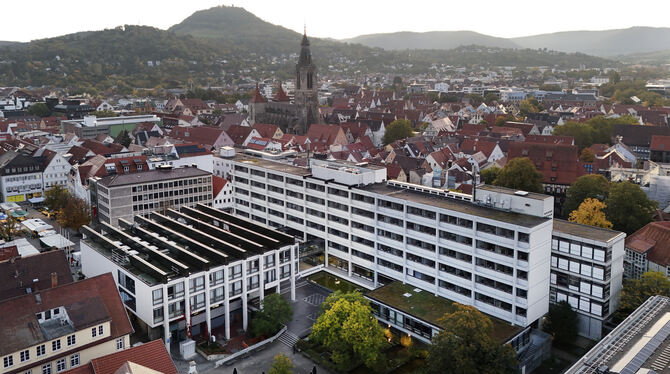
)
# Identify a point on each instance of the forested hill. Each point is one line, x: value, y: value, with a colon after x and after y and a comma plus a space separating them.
x: 214, y: 47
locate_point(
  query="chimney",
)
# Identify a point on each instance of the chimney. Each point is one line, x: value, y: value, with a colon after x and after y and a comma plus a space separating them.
x: 54, y: 280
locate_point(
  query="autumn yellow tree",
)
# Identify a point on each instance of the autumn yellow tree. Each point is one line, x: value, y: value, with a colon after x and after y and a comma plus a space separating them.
x: 590, y: 212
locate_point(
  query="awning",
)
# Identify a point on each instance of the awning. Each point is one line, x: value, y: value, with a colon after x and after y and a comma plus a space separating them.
x: 36, y: 200
x: 56, y: 240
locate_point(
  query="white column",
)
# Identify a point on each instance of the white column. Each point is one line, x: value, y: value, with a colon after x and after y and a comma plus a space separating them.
x: 187, y: 304
x: 245, y: 312
x: 277, y: 273
x: 166, y: 319
x: 261, y: 279
x: 226, y: 300
x: 293, y: 272
x: 208, y: 304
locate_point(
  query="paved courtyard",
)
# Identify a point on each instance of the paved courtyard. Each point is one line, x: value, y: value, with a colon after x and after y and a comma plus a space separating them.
x: 305, y: 311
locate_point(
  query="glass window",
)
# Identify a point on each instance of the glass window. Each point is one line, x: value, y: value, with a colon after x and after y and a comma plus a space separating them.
x: 61, y: 365
x: 120, y: 344
x: 46, y: 369
x: 25, y: 355
x: 71, y: 340
x: 40, y: 350
x: 74, y: 360
x: 8, y: 361
x: 55, y: 345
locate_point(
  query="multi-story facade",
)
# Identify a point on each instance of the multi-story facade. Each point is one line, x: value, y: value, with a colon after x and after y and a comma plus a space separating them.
x: 191, y: 270
x: 587, y: 272
x: 130, y: 195
x: 376, y: 232
x: 51, y: 330
x: 20, y: 177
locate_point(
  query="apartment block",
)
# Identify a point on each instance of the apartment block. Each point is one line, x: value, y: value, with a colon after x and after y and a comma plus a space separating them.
x: 126, y: 196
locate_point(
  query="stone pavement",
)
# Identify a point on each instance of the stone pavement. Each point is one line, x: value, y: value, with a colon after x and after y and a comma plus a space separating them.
x: 305, y: 310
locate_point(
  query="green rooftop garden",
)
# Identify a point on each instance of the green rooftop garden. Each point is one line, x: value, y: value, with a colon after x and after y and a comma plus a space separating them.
x: 430, y: 308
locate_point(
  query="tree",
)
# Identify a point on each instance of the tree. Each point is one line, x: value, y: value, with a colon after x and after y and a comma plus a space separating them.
x: 491, y: 97
x: 590, y: 212
x: 520, y: 174
x: 75, y: 213
x: 489, y: 175
x: 39, y: 109
x: 628, y: 207
x: 593, y: 186
x: 637, y: 291
x: 561, y: 323
x: 530, y: 105
x: 587, y: 155
x: 550, y: 87
x: 281, y: 365
x: 465, y: 346
x: 349, y: 330
x: 56, y: 197
x: 123, y: 138
x: 581, y: 132
x: 501, y: 120
x: 396, y: 130
x: 275, y: 312
x: 8, y: 228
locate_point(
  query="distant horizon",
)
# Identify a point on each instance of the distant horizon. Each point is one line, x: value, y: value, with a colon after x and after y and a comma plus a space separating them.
x: 359, y: 18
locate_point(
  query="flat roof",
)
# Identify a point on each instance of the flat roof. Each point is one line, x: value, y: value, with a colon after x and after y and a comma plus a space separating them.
x: 586, y: 231
x: 456, y: 205
x: 511, y: 191
x: 180, y: 242
x: 151, y: 176
x: 426, y: 306
x: 640, y: 343
x: 273, y: 165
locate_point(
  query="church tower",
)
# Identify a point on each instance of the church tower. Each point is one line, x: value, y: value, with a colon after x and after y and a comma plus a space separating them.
x: 306, y: 96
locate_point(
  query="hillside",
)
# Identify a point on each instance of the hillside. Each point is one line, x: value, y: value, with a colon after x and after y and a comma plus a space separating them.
x: 650, y: 58
x: 106, y: 58
x: 4, y: 43
x: 602, y: 43
x: 238, y: 26
x: 430, y: 40
x: 219, y: 45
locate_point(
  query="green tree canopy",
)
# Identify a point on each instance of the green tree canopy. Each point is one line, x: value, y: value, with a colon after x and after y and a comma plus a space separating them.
x: 56, y: 197
x: 103, y: 113
x: 520, y: 174
x: 489, y: 175
x: 275, y: 312
x: 281, y: 365
x: 561, y: 323
x: 628, y: 207
x: 75, y: 213
x: 349, y: 331
x: 123, y: 138
x: 595, y: 130
x: 396, y: 130
x: 637, y: 291
x: 39, y: 109
x: 593, y: 186
x: 465, y: 346
x: 530, y: 105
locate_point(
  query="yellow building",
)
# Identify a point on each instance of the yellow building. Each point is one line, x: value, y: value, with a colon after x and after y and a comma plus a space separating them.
x: 51, y: 330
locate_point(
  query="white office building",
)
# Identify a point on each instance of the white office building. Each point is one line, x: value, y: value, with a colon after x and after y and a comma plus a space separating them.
x: 192, y: 269
x: 587, y: 272
x: 494, y: 255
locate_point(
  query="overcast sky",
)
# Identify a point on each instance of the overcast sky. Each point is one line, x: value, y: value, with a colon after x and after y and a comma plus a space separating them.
x: 27, y: 20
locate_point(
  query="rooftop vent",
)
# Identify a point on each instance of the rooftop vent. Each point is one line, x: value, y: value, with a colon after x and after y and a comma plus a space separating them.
x: 521, y: 193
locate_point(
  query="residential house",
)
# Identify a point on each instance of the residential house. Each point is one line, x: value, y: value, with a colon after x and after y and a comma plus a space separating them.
x: 65, y: 325
x: 210, y: 137
x: 558, y: 163
x: 648, y: 249
x: 146, y: 358
x: 242, y: 135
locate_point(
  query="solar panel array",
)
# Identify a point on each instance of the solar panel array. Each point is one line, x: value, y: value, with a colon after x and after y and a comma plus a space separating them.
x: 647, y: 351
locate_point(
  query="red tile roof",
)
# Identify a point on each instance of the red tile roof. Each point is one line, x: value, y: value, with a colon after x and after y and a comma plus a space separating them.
x: 266, y: 130
x: 152, y: 355
x: 88, y: 302
x: 654, y: 239
x: 217, y: 184
x: 16, y: 276
x: 100, y: 148
x: 660, y: 143
x: 203, y: 135
x: 550, y: 139
x: 281, y: 95
x: 471, y: 146
x: 258, y: 98
x: 239, y: 133
x: 558, y: 163
x: 7, y: 253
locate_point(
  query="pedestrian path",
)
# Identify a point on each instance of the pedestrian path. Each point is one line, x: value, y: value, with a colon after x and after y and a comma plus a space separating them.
x: 288, y: 338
